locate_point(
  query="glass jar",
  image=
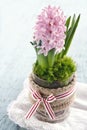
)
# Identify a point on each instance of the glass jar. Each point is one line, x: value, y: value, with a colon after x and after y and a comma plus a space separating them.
x: 61, y: 107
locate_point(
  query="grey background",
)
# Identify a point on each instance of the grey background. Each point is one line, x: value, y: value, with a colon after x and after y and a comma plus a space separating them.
x: 17, y: 18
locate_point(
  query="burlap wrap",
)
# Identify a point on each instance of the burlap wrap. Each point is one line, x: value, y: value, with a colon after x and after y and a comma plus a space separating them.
x: 57, y: 106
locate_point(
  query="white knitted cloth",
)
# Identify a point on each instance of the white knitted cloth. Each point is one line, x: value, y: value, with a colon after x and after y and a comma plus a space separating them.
x: 77, y: 119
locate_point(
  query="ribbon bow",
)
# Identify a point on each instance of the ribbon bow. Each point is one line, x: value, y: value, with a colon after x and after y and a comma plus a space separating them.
x: 46, y: 102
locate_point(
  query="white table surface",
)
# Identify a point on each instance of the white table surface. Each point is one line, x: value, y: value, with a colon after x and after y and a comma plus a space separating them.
x: 17, y: 18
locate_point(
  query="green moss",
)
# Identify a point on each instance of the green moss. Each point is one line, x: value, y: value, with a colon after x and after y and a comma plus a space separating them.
x: 62, y: 69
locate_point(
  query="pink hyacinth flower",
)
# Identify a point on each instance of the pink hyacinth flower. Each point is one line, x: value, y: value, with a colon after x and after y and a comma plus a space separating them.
x: 50, y: 29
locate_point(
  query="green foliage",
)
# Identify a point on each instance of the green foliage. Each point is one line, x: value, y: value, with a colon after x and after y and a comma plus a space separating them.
x: 71, y: 25
x: 62, y: 69
x: 46, y: 61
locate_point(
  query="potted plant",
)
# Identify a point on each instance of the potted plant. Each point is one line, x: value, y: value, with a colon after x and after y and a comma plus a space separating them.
x: 52, y: 82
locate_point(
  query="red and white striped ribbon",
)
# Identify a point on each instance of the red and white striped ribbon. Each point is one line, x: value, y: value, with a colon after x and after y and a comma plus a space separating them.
x: 46, y: 102
x: 66, y: 94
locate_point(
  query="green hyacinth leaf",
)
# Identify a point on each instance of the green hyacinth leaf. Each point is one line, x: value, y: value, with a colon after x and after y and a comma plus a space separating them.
x: 42, y: 61
x: 73, y: 21
x: 68, y: 22
x: 70, y: 34
x: 51, y: 57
